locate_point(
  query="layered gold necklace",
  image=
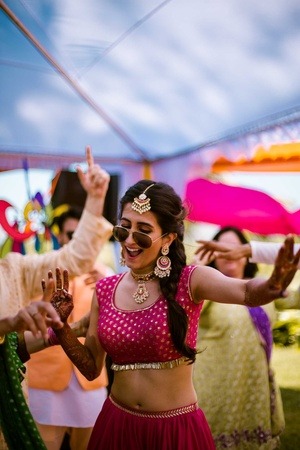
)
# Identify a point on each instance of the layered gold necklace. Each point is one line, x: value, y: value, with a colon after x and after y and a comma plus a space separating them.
x: 141, y: 294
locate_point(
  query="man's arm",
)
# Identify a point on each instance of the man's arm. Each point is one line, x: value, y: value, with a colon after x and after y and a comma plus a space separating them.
x: 80, y: 254
x: 256, y: 251
x: 266, y: 252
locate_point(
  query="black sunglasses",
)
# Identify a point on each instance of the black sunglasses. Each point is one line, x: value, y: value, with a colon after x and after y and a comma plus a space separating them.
x: 143, y: 240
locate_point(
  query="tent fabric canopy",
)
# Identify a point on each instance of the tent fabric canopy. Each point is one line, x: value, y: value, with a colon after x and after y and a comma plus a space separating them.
x: 277, y: 158
x: 145, y: 82
x: 248, y: 209
x: 159, y: 89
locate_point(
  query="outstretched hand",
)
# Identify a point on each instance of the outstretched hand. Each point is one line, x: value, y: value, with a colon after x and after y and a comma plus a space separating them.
x: 59, y: 296
x: 286, y: 264
x: 285, y: 267
x: 215, y: 249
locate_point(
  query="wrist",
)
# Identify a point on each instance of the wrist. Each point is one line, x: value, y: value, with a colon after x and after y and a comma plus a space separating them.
x: 247, y: 250
x: 8, y: 324
x: 94, y: 205
x: 256, y: 293
x: 54, y: 335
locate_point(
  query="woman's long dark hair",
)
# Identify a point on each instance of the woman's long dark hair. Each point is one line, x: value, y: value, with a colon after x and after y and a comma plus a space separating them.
x: 170, y: 214
x: 250, y: 269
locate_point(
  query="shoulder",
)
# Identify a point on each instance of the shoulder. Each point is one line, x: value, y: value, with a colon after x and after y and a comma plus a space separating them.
x: 184, y: 285
x: 185, y: 276
x: 187, y: 271
x: 107, y: 283
x: 199, y: 278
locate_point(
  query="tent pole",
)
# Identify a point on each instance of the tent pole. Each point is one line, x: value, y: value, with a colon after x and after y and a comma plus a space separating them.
x: 147, y: 172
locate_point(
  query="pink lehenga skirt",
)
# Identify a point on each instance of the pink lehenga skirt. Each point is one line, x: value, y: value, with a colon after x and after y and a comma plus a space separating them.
x: 121, y: 428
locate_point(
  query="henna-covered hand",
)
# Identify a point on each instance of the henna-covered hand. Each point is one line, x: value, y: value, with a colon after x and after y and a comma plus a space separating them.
x: 286, y: 265
x: 61, y: 300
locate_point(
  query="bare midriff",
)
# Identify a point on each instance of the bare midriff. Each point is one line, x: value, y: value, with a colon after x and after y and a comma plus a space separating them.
x: 155, y: 390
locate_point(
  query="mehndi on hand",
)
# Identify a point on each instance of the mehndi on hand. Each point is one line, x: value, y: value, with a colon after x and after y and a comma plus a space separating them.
x: 286, y: 265
x: 61, y: 300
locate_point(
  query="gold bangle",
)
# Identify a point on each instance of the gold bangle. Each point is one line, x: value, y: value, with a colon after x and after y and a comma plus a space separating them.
x: 2, y: 339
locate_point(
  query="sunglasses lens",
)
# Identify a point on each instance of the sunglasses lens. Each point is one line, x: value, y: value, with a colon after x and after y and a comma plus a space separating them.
x: 120, y: 234
x: 142, y: 240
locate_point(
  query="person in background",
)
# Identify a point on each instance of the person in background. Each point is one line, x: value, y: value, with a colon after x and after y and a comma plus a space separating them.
x: 233, y: 377
x: 256, y: 251
x: 61, y: 399
x: 147, y: 319
x: 21, y: 275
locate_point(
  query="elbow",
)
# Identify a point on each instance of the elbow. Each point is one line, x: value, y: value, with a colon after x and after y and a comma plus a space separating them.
x: 90, y: 371
x: 91, y: 375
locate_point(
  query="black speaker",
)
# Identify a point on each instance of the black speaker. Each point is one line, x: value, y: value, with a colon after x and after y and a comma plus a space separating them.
x: 66, y: 188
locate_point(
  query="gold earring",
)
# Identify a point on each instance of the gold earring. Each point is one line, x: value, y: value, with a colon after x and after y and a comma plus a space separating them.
x: 163, y: 264
x: 122, y: 259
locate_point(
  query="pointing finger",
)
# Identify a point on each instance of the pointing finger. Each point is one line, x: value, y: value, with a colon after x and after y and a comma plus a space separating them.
x: 89, y: 157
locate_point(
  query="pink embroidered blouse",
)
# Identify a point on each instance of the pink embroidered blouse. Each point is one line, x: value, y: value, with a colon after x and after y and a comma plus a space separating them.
x: 141, y: 338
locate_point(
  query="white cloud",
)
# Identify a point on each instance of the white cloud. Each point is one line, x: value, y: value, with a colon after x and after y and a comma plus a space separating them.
x: 90, y: 122
x: 190, y: 71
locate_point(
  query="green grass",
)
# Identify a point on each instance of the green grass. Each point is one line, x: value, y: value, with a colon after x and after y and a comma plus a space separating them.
x: 286, y: 364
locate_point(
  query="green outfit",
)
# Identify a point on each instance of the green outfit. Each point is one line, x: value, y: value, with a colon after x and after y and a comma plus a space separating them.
x: 16, y: 422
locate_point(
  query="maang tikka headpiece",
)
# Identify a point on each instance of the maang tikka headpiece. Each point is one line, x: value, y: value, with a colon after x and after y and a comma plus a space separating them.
x: 141, y: 204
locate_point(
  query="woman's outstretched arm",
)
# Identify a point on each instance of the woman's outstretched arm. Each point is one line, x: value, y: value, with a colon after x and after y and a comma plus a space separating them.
x: 211, y: 284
